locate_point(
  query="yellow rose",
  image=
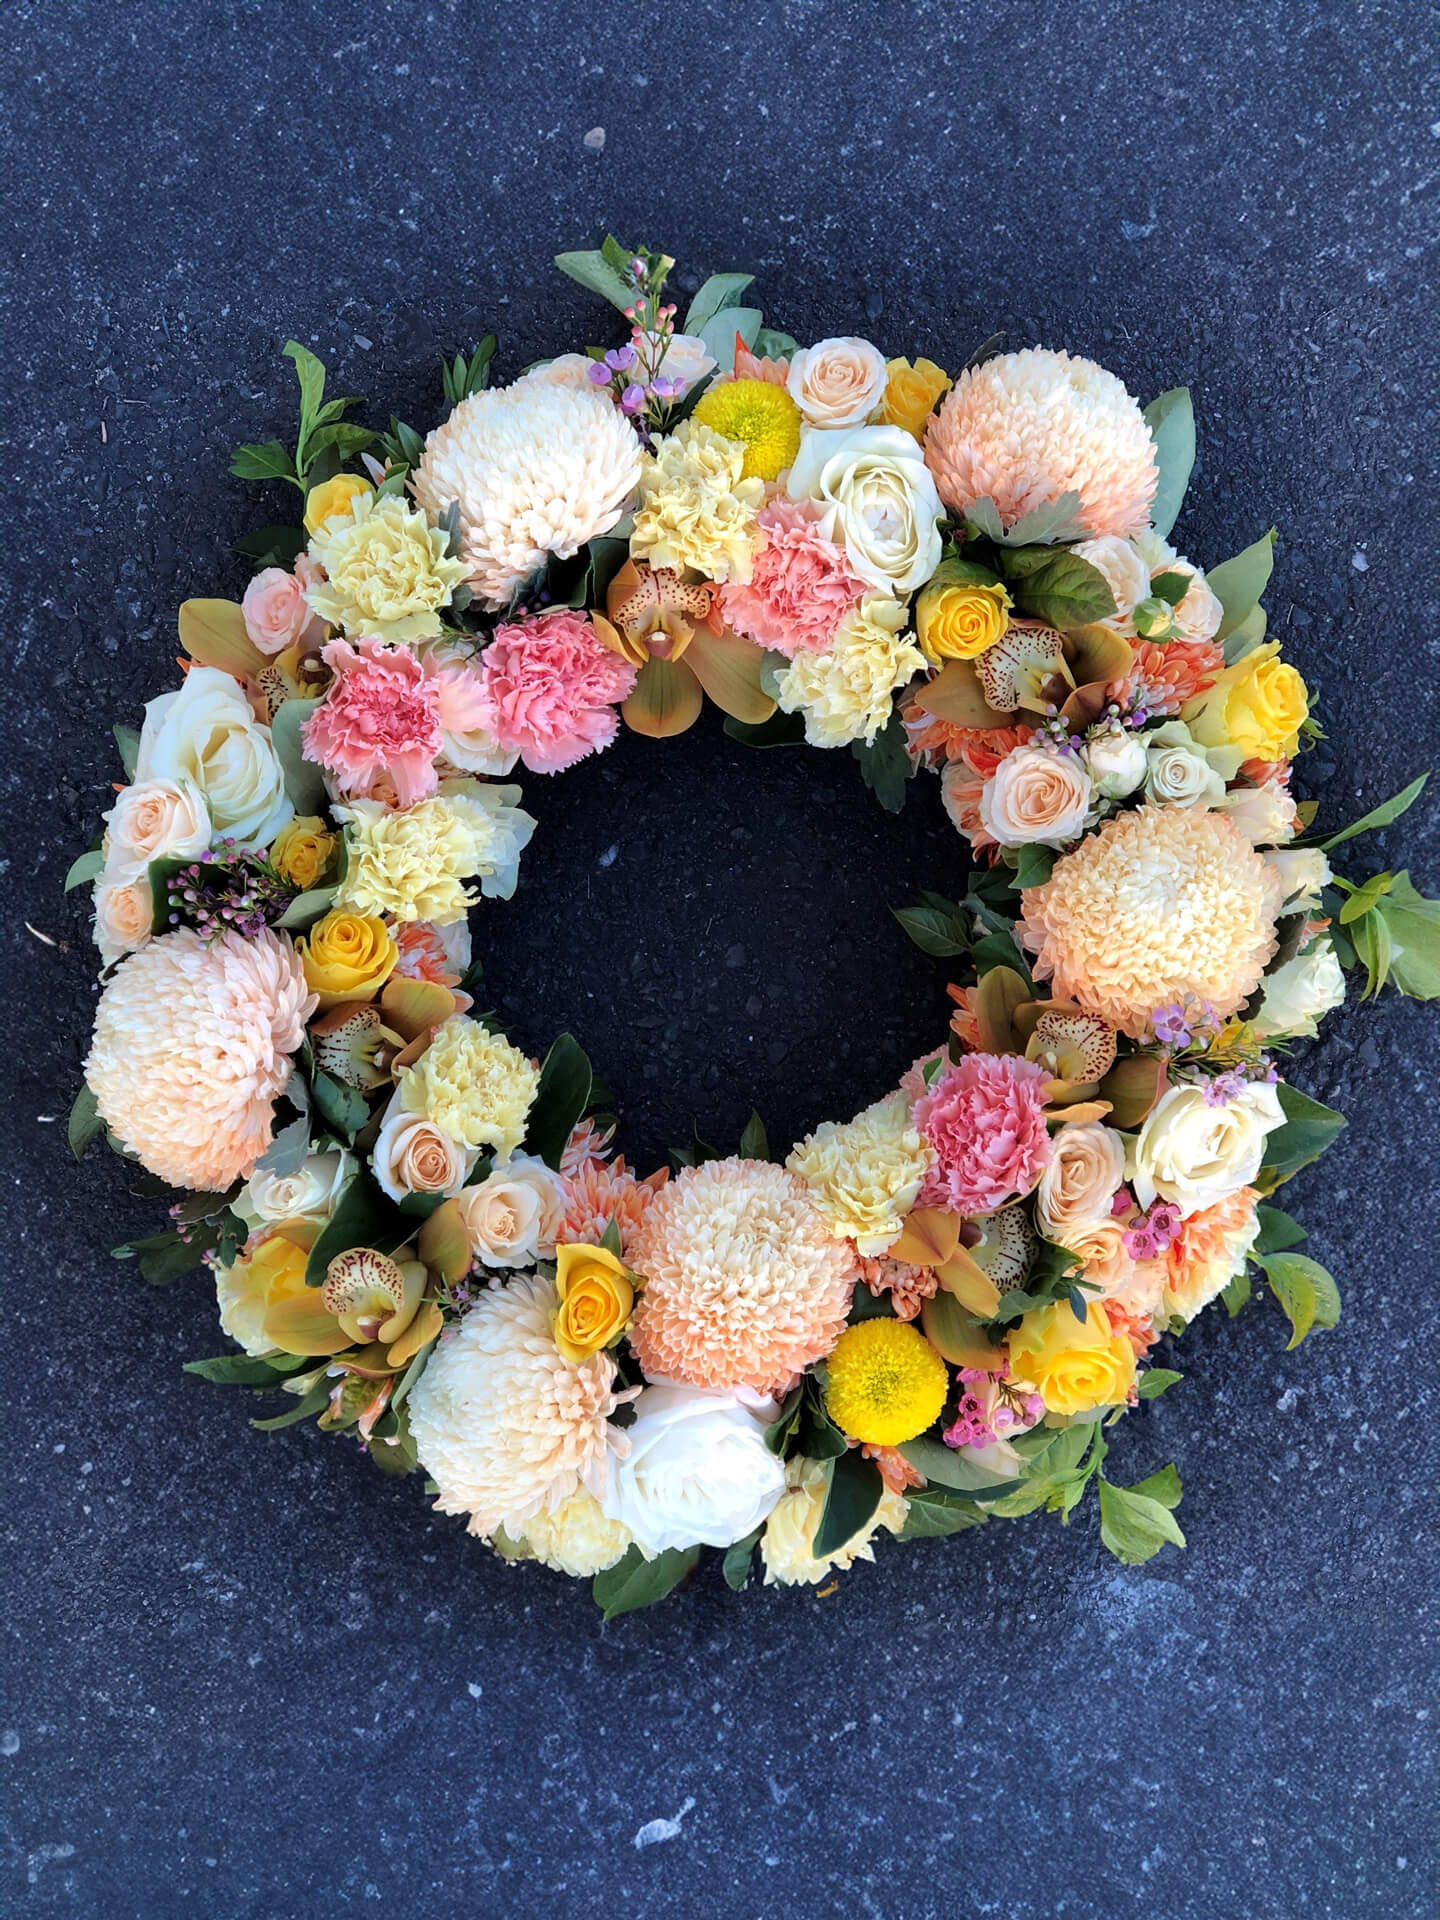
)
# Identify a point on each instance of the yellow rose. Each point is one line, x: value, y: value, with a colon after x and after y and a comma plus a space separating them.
x: 956, y: 618
x: 911, y: 393
x: 1259, y: 705
x: 304, y: 852
x: 347, y: 956
x: 332, y: 496
x: 263, y: 1278
x: 595, y: 1301
x: 1074, y: 1365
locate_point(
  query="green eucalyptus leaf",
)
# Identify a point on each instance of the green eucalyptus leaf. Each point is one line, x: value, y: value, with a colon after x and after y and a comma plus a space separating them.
x: 88, y: 867
x: 304, y: 782
x: 720, y: 330
x: 1171, y: 420
x: 596, y: 272
x: 1384, y: 815
x: 720, y: 291
x: 128, y: 741
x: 1239, y: 583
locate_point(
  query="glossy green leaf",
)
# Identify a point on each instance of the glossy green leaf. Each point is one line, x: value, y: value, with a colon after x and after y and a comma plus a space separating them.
x: 1134, y: 1526
x: 932, y: 1514
x: 739, y: 1560
x: 935, y: 932
x: 1278, y: 1230
x: 363, y: 1217
x: 637, y: 1582
x: 754, y: 1142
x: 88, y: 867
x: 595, y: 272
x: 1305, y: 1290
x: 128, y: 741
x: 854, y: 1493
x: 304, y: 782
x: 885, y: 766
x: 1384, y: 815
x: 84, y: 1124
x: 242, y: 1370
x: 1058, y: 587
x: 560, y: 1102
x: 1310, y: 1127
x: 954, y: 1467
x: 1412, y: 924
x: 720, y: 291
x: 1157, y: 1380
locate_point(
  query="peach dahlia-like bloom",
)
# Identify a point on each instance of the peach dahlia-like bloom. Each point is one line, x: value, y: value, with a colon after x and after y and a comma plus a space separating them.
x: 596, y: 1191
x: 1026, y: 427
x: 1208, y: 1251
x: 1160, y: 904
x: 191, y: 1048
x: 744, y: 1285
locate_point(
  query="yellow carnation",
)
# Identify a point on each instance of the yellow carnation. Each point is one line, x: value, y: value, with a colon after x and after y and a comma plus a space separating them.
x: 387, y: 570
x: 412, y: 865
x: 884, y: 1382
x: 911, y: 393
x: 347, y: 956
x: 846, y: 692
x: 760, y: 417
x: 697, y: 509
x: 787, y: 1546
x: 331, y: 497
x: 863, y: 1176
x: 304, y: 852
x: 959, y: 619
x: 1074, y: 1365
x: 1259, y: 705
x: 473, y: 1085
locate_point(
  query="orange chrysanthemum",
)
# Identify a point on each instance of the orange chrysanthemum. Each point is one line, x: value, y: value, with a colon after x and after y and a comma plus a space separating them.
x: 1208, y: 1251
x: 908, y: 1287
x: 1164, y: 676
x: 596, y: 1192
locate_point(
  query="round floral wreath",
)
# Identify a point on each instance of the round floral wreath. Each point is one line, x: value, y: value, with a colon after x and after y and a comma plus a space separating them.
x: 925, y: 1317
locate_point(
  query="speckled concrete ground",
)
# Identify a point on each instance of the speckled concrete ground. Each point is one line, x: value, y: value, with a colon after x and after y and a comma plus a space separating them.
x: 245, y: 1677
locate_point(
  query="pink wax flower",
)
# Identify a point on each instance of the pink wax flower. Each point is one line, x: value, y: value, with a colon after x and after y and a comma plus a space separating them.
x: 381, y: 716
x: 985, y: 1119
x: 801, y: 587
x: 552, y: 685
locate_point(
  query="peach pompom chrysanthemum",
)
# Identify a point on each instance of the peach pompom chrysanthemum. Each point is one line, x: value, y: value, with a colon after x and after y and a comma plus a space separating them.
x: 801, y: 587
x: 1160, y: 904
x: 744, y: 1285
x: 597, y: 1192
x: 1208, y: 1251
x: 191, y: 1049
x: 985, y: 1119
x: 1025, y: 428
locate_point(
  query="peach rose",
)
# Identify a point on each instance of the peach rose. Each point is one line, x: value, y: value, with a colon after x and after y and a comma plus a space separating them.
x: 123, y: 913
x: 838, y: 382
x: 155, y: 820
x: 412, y: 1155
x: 1087, y: 1165
x: 277, y: 614
x: 1035, y: 795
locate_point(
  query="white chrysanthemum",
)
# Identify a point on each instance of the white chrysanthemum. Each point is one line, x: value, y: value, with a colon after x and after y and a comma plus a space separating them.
x: 847, y: 692
x: 787, y: 1546
x: 863, y: 1176
x: 1026, y: 427
x: 503, y: 1424
x: 577, y: 1538
x: 536, y: 468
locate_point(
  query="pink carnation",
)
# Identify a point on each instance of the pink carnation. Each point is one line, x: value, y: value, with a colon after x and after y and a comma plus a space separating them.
x: 985, y: 1119
x: 552, y: 685
x: 381, y: 716
x: 801, y: 587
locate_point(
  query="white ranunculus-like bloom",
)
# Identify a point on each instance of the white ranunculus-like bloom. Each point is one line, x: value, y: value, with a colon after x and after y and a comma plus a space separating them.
x: 155, y: 820
x: 1122, y: 569
x: 838, y: 382
x: 878, y: 499
x: 1303, y: 872
x: 413, y: 1155
x: 208, y: 734
x: 1116, y: 760
x: 686, y: 358
x: 271, y: 1199
x: 124, y: 914
x: 1181, y: 773
x: 576, y: 1538
x: 1198, y: 615
x: 787, y: 1546
x: 1195, y: 1154
x: 698, y: 1471
x: 1082, y: 1177
x: 1266, y: 815
x: 1298, y: 995
x: 514, y: 1214
x: 1036, y: 796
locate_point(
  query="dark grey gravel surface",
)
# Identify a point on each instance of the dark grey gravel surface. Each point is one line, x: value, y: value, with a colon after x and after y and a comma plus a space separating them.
x: 246, y: 1677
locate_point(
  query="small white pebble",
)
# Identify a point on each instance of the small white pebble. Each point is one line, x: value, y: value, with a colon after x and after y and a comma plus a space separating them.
x: 1359, y: 562
x: 607, y: 858
x: 656, y: 1830
x: 595, y: 139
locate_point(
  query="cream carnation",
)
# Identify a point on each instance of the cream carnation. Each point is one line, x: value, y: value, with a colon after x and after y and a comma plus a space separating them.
x: 863, y: 1176
x: 787, y: 1546
x: 1036, y: 794
x: 1160, y: 903
x: 696, y: 1470
x: 847, y: 692
x: 537, y: 468
x: 576, y: 1538
x: 207, y: 734
x: 745, y: 1285
x: 387, y: 570
x: 1303, y: 872
x: 155, y: 820
x: 1087, y: 1165
x: 513, y: 1217
x: 1025, y: 428
x: 838, y: 382
x: 503, y: 1424
x: 473, y: 1085
x: 695, y: 508
x: 1195, y: 1152
x: 413, y: 864
x: 877, y: 499
x: 191, y: 1049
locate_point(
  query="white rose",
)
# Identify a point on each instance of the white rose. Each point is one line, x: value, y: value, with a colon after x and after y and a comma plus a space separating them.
x: 207, y: 733
x: 1303, y: 872
x: 1266, y: 815
x: 1197, y: 1154
x: 1199, y: 613
x: 512, y: 1217
x: 412, y: 1155
x: 155, y: 820
x: 1299, y: 994
x: 1122, y: 569
x: 1180, y: 772
x: 1117, y: 761
x: 879, y: 499
x: 1086, y: 1166
x: 272, y: 1199
x: 1035, y: 796
x: 838, y: 382
x: 686, y: 358
x: 124, y: 913
x: 697, y: 1470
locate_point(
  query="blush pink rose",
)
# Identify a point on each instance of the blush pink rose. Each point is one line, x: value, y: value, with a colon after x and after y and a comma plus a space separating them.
x: 275, y: 610
x: 552, y: 686
x: 801, y: 587
x: 985, y: 1119
x: 382, y: 716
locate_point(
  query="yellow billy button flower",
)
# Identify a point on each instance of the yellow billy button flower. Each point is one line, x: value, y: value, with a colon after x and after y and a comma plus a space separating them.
x: 347, y: 956
x: 304, y: 851
x: 595, y: 1295
x: 1258, y: 705
x: 957, y: 616
x: 331, y: 497
x: 761, y: 417
x: 911, y: 393
x: 1075, y: 1365
x: 885, y: 1382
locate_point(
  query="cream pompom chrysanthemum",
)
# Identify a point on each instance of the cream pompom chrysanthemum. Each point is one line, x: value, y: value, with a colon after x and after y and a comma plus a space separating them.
x: 863, y: 1176
x: 744, y: 1284
x: 578, y: 1538
x: 473, y: 1085
x: 536, y: 468
x: 696, y: 508
x: 787, y: 1546
x: 1161, y: 903
x: 1026, y: 427
x: 503, y: 1424
x: 190, y: 1051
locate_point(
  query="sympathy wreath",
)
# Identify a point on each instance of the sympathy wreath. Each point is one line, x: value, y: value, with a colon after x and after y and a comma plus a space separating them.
x: 923, y: 1317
